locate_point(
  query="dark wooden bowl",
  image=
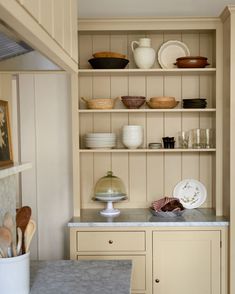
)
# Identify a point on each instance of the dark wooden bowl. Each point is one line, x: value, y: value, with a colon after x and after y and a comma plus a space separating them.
x: 191, y: 62
x: 108, y: 63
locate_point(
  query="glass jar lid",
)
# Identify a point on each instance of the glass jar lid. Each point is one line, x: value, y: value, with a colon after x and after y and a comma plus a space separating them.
x: 110, y: 187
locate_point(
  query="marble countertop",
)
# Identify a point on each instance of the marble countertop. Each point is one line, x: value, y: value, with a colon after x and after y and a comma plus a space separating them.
x: 202, y: 217
x: 83, y: 277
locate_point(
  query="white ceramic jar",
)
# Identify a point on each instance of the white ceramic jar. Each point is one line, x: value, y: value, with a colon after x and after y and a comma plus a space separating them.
x: 132, y: 136
x: 144, y: 55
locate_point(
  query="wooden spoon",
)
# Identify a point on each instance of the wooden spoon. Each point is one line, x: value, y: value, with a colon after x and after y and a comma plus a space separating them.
x: 8, y: 222
x: 22, y: 219
x: 28, y: 235
x: 5, y: 241
x: 19, y: 243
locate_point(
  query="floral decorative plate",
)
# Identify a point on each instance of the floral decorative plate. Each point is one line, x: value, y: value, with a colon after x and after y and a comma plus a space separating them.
x: 170, y: 51
x: 191, y: 193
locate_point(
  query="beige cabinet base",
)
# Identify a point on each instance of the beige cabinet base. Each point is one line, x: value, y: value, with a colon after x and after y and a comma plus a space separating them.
x: 165, y: 260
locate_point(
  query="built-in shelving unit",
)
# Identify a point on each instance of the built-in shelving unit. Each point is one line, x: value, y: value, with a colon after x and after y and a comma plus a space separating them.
x: 150, y: 174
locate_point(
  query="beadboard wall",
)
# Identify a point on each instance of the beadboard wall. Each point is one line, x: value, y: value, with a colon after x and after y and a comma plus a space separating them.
x: 45, y: 136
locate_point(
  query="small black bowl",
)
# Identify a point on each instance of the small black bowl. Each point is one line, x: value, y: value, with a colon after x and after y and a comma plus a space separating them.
x: 108, y: 63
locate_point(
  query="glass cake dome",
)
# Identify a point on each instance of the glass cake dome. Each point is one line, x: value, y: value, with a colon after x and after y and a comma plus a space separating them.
x: 110, y: 189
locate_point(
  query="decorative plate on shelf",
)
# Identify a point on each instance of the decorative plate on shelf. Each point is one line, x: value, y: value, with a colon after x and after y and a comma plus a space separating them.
x: 170, y: 51
x: 191, y: 193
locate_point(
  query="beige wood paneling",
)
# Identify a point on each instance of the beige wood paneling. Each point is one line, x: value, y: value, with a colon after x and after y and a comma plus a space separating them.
x: 67, y: 41
x: 45, y: 17
x: 32, y: 7
x: 58, y: 19
x: 74, y: 30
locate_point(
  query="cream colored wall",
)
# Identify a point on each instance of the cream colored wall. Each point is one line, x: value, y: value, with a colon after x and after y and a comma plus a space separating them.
x: 45, y: 140
x: 50, y: 26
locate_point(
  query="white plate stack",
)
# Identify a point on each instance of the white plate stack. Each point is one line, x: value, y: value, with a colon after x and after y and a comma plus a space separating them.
x: 132, y: 136
x: 100, y: 140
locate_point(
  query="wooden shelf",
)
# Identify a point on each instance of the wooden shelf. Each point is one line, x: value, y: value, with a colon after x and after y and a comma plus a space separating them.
x: 159, y: 71
x: 145, y: 150
x: 146, y: 110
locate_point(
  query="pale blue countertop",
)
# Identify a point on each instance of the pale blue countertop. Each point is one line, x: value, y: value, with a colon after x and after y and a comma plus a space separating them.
x: 83, y: 277
x: 202, y: 217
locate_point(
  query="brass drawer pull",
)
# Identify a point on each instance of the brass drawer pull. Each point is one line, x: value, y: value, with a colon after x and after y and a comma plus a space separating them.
x: 110, y: 241
x: 157, y: 281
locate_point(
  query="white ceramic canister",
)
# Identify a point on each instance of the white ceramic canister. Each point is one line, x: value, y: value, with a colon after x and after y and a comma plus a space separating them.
x: 14, y: 274
x: 144, y: 55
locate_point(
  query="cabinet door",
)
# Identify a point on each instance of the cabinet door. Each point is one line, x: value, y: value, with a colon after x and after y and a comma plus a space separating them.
x: 186, y: 262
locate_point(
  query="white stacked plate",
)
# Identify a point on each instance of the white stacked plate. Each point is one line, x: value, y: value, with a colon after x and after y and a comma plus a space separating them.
x: 100, y: 140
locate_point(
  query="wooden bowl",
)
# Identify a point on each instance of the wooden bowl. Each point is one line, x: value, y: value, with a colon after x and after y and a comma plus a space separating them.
x: 99, y: 103
x: 133, y: 102
x: 108, y: 54
x: 108, y: 63
x: 162, y: 98
x: 191, y: 62
x: 162, y: 104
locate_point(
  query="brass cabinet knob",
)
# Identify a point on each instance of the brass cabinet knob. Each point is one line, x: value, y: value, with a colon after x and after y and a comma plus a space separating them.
x: 157, y: 281
x: 110, y: 241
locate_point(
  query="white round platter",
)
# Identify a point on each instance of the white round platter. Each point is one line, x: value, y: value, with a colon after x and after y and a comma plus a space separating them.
x: 170, y: 51
x: 191, y: 193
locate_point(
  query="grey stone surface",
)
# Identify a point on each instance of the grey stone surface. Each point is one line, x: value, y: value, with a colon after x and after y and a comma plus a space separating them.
x: 203, y: 217
x: 83, y: 277
x: 7, y: 196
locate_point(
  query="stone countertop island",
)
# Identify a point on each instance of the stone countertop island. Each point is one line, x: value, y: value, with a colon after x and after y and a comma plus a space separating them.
x: 83, y: 277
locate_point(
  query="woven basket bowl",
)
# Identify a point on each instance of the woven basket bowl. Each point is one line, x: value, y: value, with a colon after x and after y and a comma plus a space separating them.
x: 162, y: 104
x: 99, y: 103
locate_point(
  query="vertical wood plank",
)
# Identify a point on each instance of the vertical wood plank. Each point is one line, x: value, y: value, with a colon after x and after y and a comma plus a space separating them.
x: 101, y: 43
x: 74, y: 30
x: 28, y: 150
x: 84, y: 50
x: 118, y: 43
x: 32, y: 7
x: 155, y: 177
x: 119, y: 87
x: 67, y: 26
x: 45, y: 17
x: 53, y: 162
x: 87, y: 180
x: 58, y: 21
x: 193, y: 43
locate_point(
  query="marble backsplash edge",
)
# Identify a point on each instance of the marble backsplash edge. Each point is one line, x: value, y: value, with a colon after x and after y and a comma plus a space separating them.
x: 7, y: 196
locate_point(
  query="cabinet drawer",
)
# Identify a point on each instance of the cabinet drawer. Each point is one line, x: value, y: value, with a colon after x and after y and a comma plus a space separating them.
x: 138, y: 281
x: 110, y: 241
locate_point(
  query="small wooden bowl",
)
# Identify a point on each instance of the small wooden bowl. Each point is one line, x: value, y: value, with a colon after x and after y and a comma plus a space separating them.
x: 162, y: 104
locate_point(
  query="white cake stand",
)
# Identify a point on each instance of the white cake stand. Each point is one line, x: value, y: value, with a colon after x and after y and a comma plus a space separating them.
x: 110, y: 210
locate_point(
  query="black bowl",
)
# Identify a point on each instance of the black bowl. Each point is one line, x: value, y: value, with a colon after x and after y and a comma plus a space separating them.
x: 108, y: 63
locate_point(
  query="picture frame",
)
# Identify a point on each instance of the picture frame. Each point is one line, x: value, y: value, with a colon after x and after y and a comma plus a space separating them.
x: 6, y: 157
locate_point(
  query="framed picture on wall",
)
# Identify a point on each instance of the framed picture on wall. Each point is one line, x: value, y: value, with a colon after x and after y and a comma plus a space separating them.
x: 5, y: 136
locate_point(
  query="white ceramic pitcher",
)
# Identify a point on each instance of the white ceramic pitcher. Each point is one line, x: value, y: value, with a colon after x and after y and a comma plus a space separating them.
x: 144, y: 55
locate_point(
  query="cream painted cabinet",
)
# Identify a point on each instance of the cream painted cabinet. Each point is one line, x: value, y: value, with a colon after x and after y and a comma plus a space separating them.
x: 165, y: 260
x: 186, y: 262
x: 111, y: 244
